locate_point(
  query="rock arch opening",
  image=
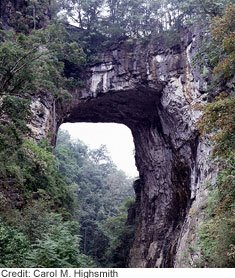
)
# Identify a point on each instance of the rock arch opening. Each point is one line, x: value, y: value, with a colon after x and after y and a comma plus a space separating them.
x: 93, y: 158
x: 164, y: 159
x: 155, y: 93
x: 117, y: 138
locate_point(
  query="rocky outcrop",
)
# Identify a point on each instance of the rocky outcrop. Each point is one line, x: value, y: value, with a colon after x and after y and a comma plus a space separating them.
x: 157, y: 93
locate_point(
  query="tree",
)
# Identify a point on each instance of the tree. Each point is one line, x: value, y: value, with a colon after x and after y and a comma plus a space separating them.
x: 33, y: 63
x: 223, y: 29
x: 85, y: 13
x: 58, y: 247
x: 120, y: 234
x: 98, y: 189
x: 217, y: 238
x: 139, y: 18
x: 13, y: 246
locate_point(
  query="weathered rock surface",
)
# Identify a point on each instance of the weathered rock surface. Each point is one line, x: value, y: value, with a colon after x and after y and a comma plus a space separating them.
x: 157, y: 93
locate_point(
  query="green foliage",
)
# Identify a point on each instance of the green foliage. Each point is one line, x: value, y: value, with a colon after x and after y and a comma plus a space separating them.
x: 91, y: 190
x: 39, y: 168
x: 30, y: 168
x: 13, y: 246
x: 99, y: 190
x: 138, y: 18
x: 217, y: 238
x: 223, y: 29
x: 58, y: 247
x: 29, y: 65
x: 42, y: 192
x: 33, y: 63
x: 121, y: 235
x: 217, y: 52
x: 219, y: 119
x: 24, y: 16
x: 51, y: 239
x: 16, y: 108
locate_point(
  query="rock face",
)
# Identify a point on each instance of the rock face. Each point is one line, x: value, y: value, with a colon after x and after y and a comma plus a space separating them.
x: 157, y: 93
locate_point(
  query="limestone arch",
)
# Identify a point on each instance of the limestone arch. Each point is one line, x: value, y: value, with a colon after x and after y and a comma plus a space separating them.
x: 153, y: 92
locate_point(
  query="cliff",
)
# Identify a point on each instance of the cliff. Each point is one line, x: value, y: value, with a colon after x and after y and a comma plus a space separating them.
x: 156, y: 92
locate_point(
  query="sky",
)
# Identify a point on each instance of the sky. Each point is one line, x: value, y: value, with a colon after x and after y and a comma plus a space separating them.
x: 117, y: 138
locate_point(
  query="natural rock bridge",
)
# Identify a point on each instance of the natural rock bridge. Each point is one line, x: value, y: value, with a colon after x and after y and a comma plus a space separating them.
x: 155, y: 93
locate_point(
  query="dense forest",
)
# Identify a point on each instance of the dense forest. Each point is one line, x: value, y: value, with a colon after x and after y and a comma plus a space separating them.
x: 67, y: 206
x: 102, y: 195
x: 77, y: 219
